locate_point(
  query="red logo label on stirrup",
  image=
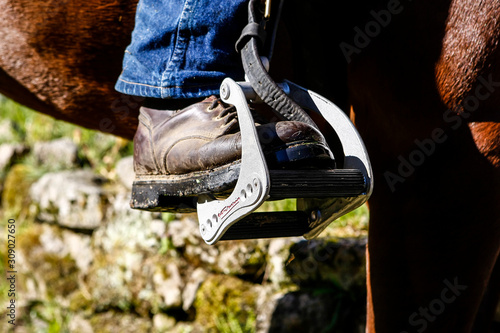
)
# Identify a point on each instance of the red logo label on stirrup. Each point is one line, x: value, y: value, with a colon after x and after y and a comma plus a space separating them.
x: 226, y: 210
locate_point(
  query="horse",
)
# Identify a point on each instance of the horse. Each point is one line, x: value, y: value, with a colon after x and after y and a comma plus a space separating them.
x: 421, y: 81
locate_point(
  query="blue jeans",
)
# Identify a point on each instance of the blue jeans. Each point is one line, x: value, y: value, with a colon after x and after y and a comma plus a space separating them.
x: 183, y: 48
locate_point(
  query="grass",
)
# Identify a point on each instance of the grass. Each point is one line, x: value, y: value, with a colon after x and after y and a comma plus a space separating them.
x: 353, y: 224
x: 231, y: 324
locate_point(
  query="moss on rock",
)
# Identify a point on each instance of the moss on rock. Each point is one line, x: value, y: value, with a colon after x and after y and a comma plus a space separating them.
x: 80, y: 301
x: 111, y: 322
x: 43, y: 261
x: 223, y: 301
x: 15, y: 194
x: 61, y: 274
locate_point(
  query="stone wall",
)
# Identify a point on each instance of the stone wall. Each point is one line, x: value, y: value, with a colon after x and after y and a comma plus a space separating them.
x: 86, y: 262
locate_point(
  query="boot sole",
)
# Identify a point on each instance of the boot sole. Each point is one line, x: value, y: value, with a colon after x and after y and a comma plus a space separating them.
x: 179, y: 193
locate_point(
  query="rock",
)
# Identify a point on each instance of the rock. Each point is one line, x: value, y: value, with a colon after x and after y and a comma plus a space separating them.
x: 158, y: 228
x: 125, y: 171
x: 110, y: 284
x: 48, y: 268
x: 50, y: 242
x: 78, y: 324
x: 127, y: 229
x: 278, y: 255
x: 120, y: 322
x: 168, y: 283
x: 128, y: 270
x: 162, y: 322
x: 317, y: 311
x: 58, y: 154
x: 267, y: 298
x: 74, y: 199
x: 183, y: 232
x: 78, y: 246
x: 246, y: 257
x: 10, y: 152
x: 231, y: 257
x: 193, y: 284
x: 328, y: 262
x: 8, y: 129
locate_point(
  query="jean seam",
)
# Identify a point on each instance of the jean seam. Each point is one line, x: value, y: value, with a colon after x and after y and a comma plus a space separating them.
x: 180, y: 46
x: 166, y: 87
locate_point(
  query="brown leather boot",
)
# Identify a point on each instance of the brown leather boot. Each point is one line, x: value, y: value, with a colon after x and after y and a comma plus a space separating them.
x: 197, y: 150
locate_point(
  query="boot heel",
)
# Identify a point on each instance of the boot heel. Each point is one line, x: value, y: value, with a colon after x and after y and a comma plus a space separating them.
x: 151, y: 196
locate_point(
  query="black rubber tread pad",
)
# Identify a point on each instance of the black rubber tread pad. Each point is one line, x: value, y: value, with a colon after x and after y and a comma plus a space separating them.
x: 269, y: 225
x: 163, y: 195
x: 316, y: 183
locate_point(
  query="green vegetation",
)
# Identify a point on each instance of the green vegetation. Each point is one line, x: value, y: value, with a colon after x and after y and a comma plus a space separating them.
x: 353, y: 224
x: 230, y: 324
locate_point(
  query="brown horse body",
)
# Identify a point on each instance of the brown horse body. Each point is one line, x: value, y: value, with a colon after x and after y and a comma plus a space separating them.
x: 424, y: 86
x: 62, y: 57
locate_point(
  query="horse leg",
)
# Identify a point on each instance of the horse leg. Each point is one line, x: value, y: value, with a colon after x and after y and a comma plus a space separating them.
x: 433, y: 241
x: 434, y: 233
x: 490, y: 302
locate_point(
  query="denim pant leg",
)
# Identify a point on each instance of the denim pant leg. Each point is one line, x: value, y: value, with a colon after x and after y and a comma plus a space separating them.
x: 183, y: 48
